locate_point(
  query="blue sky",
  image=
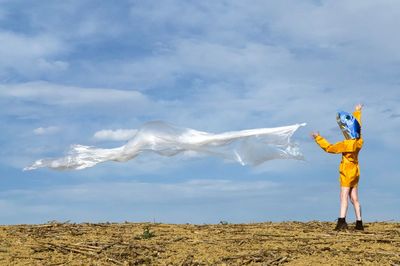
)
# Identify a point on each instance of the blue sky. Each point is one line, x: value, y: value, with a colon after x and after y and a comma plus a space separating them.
x: 71, y: 69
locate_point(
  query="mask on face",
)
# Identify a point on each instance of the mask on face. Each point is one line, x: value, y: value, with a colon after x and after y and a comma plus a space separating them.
x: 349, y: 125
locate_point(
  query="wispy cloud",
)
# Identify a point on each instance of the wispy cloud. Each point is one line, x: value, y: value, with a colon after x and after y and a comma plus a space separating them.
x: 46, y: 130
x: 144, y: 197
x: 41, y: 56
x: 14, y: 46
x: 118, y: 134
x: 55, y: 94
x: 149, y: 192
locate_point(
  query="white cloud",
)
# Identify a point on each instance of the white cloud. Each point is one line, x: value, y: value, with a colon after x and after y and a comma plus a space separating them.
x: 360, y: 28
x: 118, y: 134
x: 206, y: 58
x: 29, y: 55
x: 135, y: 191
x: 55, y: 65
x: 55, y: 94
x: 46, y: 130
x: 14, y: 46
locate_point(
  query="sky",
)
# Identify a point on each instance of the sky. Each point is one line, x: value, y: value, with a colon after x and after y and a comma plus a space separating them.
x: 91, y: 72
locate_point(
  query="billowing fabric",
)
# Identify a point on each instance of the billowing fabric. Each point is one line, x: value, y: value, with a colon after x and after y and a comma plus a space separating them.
x: 349, y: 125
x: 349, y: 170
x: 253, y: 146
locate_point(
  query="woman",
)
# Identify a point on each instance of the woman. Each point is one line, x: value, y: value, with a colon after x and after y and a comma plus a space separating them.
x: 349, y: 169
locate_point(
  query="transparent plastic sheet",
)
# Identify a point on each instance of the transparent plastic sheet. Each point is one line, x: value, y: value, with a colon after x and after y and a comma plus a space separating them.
x: 252, y: 147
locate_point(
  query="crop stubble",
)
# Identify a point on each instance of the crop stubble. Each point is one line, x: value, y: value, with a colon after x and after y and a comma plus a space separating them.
x: 286, y: 243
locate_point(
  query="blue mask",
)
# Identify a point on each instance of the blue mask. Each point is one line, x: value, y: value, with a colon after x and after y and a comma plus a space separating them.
x: 349, y: 125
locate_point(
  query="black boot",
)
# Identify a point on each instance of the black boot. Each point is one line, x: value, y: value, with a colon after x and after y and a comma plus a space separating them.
x: 341, y: 224
x: 359, y: 225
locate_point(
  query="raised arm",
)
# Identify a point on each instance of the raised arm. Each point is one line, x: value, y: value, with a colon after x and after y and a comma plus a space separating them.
x: 357, y: 113
x: 338, y: 147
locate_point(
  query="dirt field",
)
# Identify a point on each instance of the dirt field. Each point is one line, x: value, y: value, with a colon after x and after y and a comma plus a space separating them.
x: 288, y: 243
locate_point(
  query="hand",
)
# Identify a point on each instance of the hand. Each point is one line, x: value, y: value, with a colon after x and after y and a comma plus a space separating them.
x: 315, y: 134
x: 359, y: 107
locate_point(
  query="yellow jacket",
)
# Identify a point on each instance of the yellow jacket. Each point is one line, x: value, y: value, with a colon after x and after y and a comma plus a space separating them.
x: 349, y: 148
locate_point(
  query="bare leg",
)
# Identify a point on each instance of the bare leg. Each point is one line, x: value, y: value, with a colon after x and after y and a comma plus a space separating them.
x: 356, y: 203
x: 344, y: 195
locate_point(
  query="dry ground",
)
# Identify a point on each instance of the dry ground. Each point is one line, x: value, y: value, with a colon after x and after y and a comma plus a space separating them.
x: 287, y: 243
